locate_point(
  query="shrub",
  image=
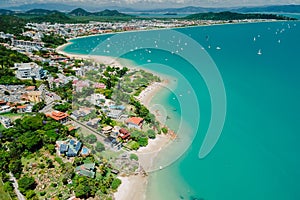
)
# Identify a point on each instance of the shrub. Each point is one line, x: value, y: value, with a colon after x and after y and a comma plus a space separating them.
x: 134, y: 157
x: 115, y: 184
x: 164, y: 130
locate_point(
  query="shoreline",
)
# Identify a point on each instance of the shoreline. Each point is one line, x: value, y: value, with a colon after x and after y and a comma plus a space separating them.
x: 135, y: 186
x: 174, y: 28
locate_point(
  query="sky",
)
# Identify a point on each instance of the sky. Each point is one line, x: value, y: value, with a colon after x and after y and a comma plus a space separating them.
x: 153, y: 3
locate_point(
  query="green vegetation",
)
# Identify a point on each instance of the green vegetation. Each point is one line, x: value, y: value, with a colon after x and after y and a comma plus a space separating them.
x: 142, y: 111
x: 38, y: 106
x: 11, y: 24
x: 26, y: 183
x: 4, y: 190
x: 115, y: 184
x: 134, y: 157
x: 9, y: 57
x: 63, y: 107
x: 164, y: 130
x: 234, y: 16
x: 99, y: 147
x: 65, y: 91
x: 53, y: 40
x: 91, y: 139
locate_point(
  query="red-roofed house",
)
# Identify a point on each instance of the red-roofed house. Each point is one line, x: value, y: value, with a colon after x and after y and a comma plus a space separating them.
x: 22, y: 108
x: 124, y: 134
x: 30, y: 88
x: 58, y: 116
x: 135, y: 122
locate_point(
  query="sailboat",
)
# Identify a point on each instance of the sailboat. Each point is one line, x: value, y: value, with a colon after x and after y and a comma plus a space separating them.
x: 259, y: 52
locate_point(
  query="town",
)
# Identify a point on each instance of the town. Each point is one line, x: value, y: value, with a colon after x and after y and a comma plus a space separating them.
x: 69, y: 126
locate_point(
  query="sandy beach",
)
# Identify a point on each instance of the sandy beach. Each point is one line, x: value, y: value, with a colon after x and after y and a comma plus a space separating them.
x: 134, y: 187
x: 98, y: 59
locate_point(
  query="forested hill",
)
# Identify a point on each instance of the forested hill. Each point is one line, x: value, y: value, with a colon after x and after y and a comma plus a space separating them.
x: 234, y: 16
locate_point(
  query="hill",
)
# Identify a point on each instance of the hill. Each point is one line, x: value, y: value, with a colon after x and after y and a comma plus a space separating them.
x: 39, y: 12
x: 105, y: 13
x: 6, y: 12
x: 56, y: 17
x: 234, y: 16
x: 79, y: 12
x: 11, y: 24
x: 111, y: 13
x: 274, y: 9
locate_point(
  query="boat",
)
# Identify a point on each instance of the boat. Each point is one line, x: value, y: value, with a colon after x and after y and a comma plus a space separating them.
x: 254, y: 39
x: 218, y: 48
x: 259, y: 52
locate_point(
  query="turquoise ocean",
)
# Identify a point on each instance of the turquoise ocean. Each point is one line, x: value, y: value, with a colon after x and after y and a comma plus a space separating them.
x: 257, y: 154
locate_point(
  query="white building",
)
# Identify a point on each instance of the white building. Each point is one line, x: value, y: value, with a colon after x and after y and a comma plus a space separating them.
x: 29, y: 71
x: 97, y: 99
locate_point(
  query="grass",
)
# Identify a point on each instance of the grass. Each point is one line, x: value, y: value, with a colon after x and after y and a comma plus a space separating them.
x: 1, y: 127
x: 4, y: 195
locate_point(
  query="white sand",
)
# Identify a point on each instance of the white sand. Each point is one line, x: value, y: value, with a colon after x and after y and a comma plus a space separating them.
x: 132, y: 188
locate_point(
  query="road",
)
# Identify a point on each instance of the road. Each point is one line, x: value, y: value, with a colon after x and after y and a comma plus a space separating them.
x: 89, y: 130
x: 16, y: 186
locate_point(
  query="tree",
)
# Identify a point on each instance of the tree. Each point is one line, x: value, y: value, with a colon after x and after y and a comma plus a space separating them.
x: 26, y: 183
x: 135, y: 135
x: 164, y: 130
x: 99, y: 147
x: 143, y: 141
x: 91, y: 138
x: 8, y: 187
x: 151, y: 134
x: 15, y: 166
x: 38, y: 106
x: 135, y: 145
x: 115, y: 184
x: 30, y: 194
x: 134, y: 157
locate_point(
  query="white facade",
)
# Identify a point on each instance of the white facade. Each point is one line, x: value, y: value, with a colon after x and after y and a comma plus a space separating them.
x: 28, y: 71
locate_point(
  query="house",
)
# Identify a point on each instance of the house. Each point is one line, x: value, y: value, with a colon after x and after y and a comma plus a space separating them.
x: 97, y: 99
x: 135, y: 122
x: 35, y: 96
x: 93, y: 123
x: 58, y: 116
x: 86, y: 169
x: 99, y: 86
x: 6, y: 122
x: 29, y: 71
x: 21, y: 109
x: 124, y: 134
x: 107, y: 130
x: 82, y: 112
x: 5, y: 109
x: 115, y: 114
x: 72, y: 148
x: 30, y: 88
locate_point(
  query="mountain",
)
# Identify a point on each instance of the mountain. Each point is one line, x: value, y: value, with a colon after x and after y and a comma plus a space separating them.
x: 49, y: 6
x: 188, y: 9
x: 104, y: 13
x: 40, y: 12
x: 274, y: 9
x: 234, y: 16
x: 6, y: 12
x: 79, y: 12
x: 111, y: 13
x: 56, y: 17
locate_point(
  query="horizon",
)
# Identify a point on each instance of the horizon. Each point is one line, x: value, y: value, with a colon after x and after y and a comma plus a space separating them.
x: 139, y: 4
